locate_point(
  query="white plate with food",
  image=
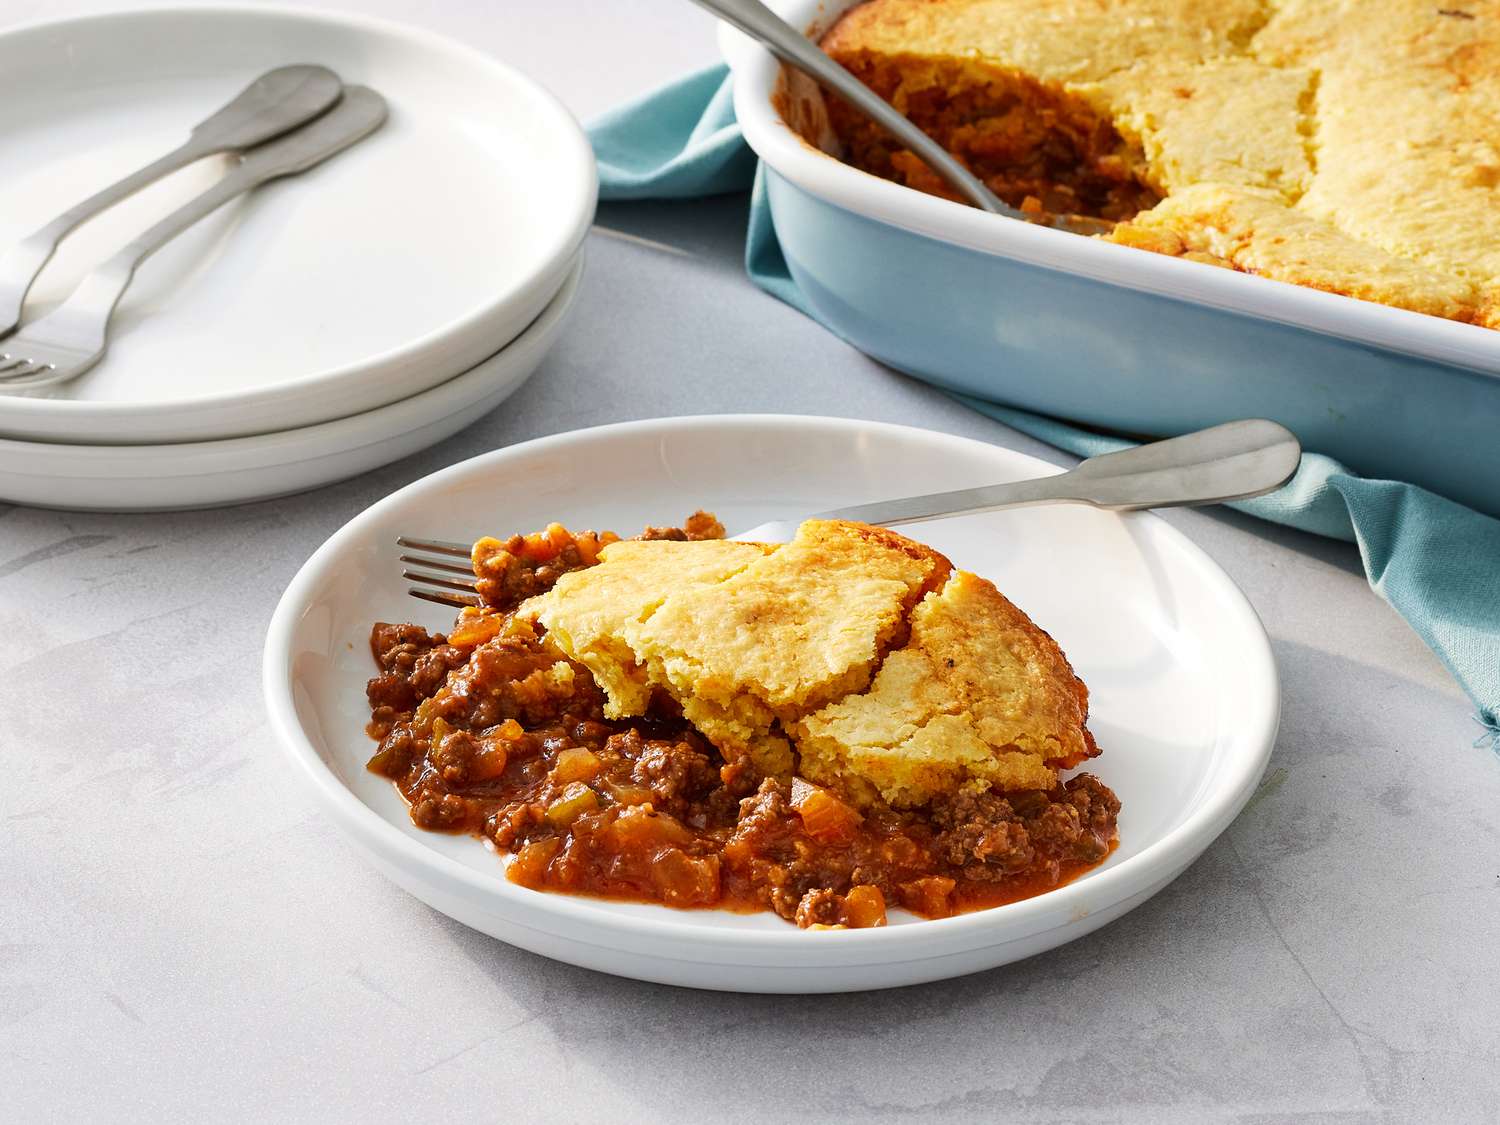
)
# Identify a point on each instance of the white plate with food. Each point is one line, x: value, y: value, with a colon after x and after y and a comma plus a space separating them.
x: 1183, y: 701
x: 202, y: 474
x: 393, y: 267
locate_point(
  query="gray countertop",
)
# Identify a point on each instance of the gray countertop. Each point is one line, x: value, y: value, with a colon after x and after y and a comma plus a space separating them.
x: 182, y: 934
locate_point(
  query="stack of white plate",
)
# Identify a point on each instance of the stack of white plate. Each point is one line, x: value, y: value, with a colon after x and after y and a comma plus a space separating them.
x: 317, y: 328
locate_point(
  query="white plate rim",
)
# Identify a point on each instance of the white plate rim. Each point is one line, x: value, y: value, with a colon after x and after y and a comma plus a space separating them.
x: 546, y: 273
x: 883, y: 945
x: 755, y: 72
x: 325, y: 437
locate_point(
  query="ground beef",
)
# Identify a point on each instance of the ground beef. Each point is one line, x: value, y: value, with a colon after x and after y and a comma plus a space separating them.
x: 981, y: 835
x: 819, y: 908
x: 764, y: 815
x: 699, y: 525
x: 509, y: 572
x: 1081, y: 826
x: 987, y: 837
x: 677, y: 772
x: 414, y: 663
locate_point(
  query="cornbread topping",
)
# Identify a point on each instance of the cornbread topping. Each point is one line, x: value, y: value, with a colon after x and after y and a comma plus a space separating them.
x: 1351, y: 146
x: 822, y: 728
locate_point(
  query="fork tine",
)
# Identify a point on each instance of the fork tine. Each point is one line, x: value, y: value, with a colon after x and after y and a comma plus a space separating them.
x: 9, y: 374
x: 442, y: 581
x: 438, y: 564
x: 44, y: 376
x: 458, y: 601
x: 454, y: 583
x: 441, y: 546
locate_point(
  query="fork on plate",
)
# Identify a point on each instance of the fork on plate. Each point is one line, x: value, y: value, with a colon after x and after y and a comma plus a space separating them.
x: 1233, y: 461
x: 275, y: 103
x: 73, y: 337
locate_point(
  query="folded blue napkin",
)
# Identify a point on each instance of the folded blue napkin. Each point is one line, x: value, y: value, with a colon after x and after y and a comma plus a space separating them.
x: 1436, y: 562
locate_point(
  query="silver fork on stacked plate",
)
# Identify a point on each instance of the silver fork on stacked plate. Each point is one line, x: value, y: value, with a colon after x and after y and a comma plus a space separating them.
x: 280, y: 125
x: 1233, y: 461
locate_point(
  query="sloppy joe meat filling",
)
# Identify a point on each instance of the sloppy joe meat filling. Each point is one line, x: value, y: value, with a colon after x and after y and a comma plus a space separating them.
x: 1037, y: 147
x: 489, y: 730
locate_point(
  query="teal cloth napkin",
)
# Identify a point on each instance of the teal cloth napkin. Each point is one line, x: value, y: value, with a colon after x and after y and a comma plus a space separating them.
x: 1436, y: 562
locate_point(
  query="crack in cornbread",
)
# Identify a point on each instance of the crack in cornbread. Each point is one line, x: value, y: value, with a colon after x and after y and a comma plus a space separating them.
x: 978, y: 697
x: 1352, y: 147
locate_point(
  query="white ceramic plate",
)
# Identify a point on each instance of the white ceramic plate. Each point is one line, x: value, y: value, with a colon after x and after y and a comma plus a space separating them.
x: 1184, y: 689
x: 395, y: 266
x: 138, y: 478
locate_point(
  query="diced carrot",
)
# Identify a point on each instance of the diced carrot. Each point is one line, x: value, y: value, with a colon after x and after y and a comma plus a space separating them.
x: 639, y: 827
x: 826, y: 818
x: 490, y: 762
x: 576, y: 764
x: 930, y: 896
x: 529, y: 868
x: 474, y: 627
x: 864, y: 906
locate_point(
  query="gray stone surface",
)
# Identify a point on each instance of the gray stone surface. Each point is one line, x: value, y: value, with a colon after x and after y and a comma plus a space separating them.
x: 182, y: 934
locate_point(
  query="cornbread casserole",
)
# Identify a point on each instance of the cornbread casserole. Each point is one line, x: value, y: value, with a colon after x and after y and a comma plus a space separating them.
x: 820, y: 728
x: 1351, y: 146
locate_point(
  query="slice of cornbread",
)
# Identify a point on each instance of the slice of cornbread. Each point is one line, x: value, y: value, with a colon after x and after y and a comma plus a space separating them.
x: 894, y: 677
x: 797, y: 628
x: 785, y: 635
x: 586, y: 612
x: 745, y: 637
x: 977, y: 694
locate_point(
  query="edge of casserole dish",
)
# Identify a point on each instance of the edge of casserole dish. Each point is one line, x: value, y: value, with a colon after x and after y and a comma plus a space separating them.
x: 758, y: 80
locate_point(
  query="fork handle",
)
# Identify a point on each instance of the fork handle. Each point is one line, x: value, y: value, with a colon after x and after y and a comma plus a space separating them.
x: 275, y: 102
x: 22, y: 262
x: 84, y: 316
x: 1232, y: 461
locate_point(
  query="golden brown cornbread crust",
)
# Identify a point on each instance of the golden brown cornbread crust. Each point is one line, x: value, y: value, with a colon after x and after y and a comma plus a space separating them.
x: 588, y: 618
x: 1351, y: 146
x: 894, y: 676
x: 978, y: 695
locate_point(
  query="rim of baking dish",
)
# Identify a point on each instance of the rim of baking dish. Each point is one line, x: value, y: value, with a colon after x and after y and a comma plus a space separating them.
x: 756, y: 72
x: 1244, y: 743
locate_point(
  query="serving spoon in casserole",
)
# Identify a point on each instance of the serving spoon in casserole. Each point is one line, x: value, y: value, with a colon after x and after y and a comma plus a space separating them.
x: 798, y: 51
x: 1233, y: 461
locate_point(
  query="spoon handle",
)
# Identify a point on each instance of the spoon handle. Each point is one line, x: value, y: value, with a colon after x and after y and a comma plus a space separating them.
x: 796, y: 50
x: 1230, y: 462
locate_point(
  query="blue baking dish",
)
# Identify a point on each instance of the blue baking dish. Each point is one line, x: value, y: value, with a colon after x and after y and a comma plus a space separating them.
x: 1105, y: 334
